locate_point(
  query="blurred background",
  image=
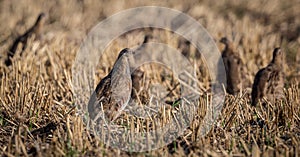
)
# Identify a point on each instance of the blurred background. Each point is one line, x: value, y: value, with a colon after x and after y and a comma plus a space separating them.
x: 255, y: 27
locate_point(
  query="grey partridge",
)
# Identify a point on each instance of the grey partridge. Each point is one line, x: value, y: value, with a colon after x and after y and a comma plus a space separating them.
x: 184, y: 46
x: 114, y: 90
x: 233, y: 67
x: 269, y: 81
x: 137, y: 77
x: 35, y: 30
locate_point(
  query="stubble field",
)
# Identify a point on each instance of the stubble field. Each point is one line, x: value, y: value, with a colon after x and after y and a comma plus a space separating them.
x: 37, y: 107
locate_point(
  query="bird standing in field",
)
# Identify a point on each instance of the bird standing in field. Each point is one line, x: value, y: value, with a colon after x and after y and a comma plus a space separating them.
x: 184, y: 46
x: 114, y: 90
x: 269, y: 81
x: 137, y: 73
x: 137, y: 77
x: 35, y: 31
x: 233, y: 67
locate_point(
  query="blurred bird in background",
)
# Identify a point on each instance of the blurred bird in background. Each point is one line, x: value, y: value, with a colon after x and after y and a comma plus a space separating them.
x: 34, y: 32
x: 233, y: 66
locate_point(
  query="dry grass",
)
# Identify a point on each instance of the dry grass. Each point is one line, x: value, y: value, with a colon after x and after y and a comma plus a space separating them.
x: 37, y: 114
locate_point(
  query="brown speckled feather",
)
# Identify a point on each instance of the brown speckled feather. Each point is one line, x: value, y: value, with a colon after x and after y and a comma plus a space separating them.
x: 113, y: 91
x: 269, y: 81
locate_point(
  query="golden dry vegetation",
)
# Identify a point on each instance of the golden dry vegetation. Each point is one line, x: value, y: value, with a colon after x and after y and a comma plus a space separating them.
x: 37, y: 109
